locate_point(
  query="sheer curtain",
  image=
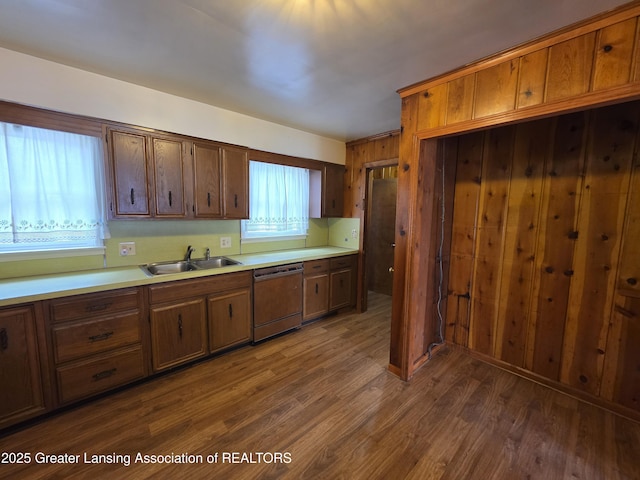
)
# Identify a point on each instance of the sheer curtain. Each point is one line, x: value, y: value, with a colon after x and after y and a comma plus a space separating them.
x: 278, y: 201
x: 52, y: 189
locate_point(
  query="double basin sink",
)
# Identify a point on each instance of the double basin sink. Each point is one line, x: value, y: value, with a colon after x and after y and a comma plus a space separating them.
x: 177, y: 266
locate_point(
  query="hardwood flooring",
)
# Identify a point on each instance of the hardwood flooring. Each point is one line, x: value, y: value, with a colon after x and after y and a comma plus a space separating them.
x: 323, y: 399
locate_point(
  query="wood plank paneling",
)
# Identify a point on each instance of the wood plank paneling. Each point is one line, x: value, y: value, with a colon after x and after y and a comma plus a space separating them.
x: 533, y: 72
x: 629, y: 269
x: 496, y: 89
x: 569, y: 70
x: 593, y: 273
x: 614, y: 55
x: 563, y: 179
x: 525, y: 194
x: 460, y: 99
x: 467, y: 191
x: 621, y: 380
x: 494, y: 193
x: 432, y: 107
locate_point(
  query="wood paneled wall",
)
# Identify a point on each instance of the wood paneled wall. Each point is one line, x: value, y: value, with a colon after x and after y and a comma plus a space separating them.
x: 541, y: 253
x: 587, y: 66
x: 373, y: 152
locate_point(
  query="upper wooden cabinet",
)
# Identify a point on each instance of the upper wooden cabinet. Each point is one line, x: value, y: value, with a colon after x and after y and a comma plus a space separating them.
x: 235, y: 182
x: 207, y: 180
x: 166, y: 176
x: 333, y: 191
x: 221, y: 181
x: 129, y: 172
x: 148, y: 173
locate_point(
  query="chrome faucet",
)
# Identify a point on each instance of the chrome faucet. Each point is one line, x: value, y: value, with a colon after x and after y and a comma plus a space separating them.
x: 187, y: 256
x: 207, y: 254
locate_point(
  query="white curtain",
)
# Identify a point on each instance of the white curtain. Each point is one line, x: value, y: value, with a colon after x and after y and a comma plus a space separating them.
x: 278, y: 201
x: 52, y: 189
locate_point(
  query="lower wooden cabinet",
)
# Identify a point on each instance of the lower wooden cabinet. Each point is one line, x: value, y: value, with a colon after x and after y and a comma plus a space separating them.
x: 21, y: 388
x: 99, y: 373
x: 329, y: 285
x: 192, y: 318
x: 178, y: 332
x: 229, y: 319
x: 315, y: 289
x: 97, y: 342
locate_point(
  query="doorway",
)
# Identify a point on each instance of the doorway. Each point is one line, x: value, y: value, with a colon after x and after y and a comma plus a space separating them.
x: 380, y: 219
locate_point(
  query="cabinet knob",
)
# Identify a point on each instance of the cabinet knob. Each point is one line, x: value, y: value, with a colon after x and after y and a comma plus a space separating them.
x: 391, y: 270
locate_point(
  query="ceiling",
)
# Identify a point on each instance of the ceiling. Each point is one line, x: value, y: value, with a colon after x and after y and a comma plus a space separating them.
x: 330, y: 67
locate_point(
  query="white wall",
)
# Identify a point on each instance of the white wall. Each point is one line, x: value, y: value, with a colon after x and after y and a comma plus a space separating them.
x: 32, y: 81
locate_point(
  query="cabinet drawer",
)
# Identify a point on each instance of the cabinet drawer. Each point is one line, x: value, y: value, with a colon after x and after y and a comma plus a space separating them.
x: 82, y: 306
x: 341, y: 262
x: 85, y: 378
x: 312, y: 267
x: 78, y: 339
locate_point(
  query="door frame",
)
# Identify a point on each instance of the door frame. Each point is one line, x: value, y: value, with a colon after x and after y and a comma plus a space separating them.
x: 362, y: 275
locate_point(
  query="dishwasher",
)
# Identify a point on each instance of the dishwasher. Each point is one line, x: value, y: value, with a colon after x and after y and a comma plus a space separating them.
x: 277, y: 300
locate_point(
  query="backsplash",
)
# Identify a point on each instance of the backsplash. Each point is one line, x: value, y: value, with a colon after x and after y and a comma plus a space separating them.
x: 168, y: 240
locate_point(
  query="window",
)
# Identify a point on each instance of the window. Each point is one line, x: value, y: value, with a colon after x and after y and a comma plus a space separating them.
x: 52, y: 190
x: 278, y: 201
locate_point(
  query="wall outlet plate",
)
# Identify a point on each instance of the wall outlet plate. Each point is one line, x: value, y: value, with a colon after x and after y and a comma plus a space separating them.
x: 225, y: 242
x: 127, y: 249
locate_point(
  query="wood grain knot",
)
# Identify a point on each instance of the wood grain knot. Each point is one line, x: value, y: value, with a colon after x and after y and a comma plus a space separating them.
x: 632, y: 281
x: 568, y: 273
x: 549, y: 269
x: 405, y: 167
x: 607, y: 48
x: 583, y: 379
x: 573, y: 235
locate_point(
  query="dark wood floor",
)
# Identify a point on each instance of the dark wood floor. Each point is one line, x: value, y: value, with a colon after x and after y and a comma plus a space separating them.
x: 323, y: 397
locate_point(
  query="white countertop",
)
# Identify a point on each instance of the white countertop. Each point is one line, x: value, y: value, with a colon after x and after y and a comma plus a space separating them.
x: 30, y: 289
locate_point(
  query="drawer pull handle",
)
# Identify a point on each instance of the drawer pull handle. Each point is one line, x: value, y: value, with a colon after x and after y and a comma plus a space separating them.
x: 104, y: 374
x: 230, y: 311
x: 235, y: 200
x: 101, y: 336
x: 97, y: 307
x: 170, y: 199
x: 4, y: 339
x: 208, y: 199
x: 316, y: 288
x: 180, y: 325
x: 133, y: 199
x: 317, y: 266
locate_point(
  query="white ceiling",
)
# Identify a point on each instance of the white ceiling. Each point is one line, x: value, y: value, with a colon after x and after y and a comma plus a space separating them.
x: 330, y: 67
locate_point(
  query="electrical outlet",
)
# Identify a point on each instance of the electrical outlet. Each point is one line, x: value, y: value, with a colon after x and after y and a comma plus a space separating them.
x: 225, y: 242
x: 354, y: 233
x: 127, y: 249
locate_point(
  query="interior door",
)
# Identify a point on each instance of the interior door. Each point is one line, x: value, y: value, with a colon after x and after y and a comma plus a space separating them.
x: 381, y: 234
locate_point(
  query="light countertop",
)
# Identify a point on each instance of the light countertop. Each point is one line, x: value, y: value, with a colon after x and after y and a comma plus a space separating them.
x: 14, y: 291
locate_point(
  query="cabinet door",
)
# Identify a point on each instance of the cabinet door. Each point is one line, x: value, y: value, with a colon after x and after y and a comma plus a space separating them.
x: 333, y: 191
x: 21, y: 393
x: 178, y: 333
x: 235, y: 181
x: 207, y: 168
x: 316, y: 296
x: 340, y: 289
x: 229, y: 319
x: 168, y: 164
x: 128, y: 155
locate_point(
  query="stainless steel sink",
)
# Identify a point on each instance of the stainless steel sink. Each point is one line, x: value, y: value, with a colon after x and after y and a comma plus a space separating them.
x: 177, y: 266
x: 213, y: 262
